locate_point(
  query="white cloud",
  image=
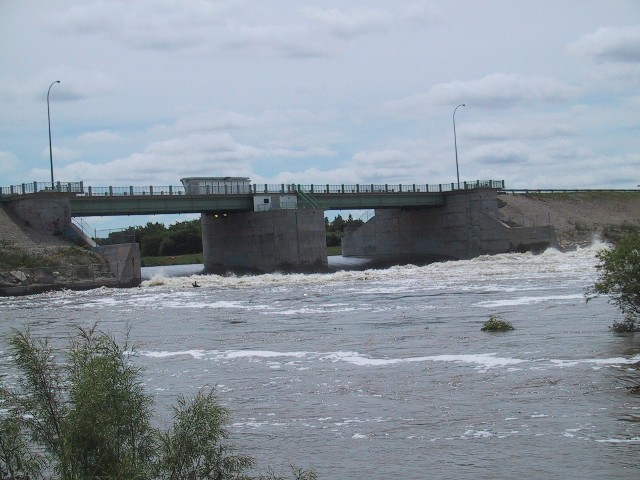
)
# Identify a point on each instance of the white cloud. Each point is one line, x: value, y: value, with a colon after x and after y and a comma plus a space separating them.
x: 349, y: 23
x: 62, y: 154
x: 8, y: 163
x: 75, y: 83
x: 502, y: 90
x: 142, y: 24
x: 101, y: 136
x: 611, y: 44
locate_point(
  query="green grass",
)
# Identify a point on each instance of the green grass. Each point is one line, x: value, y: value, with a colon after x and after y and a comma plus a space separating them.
x: 12, y: 257
x: 188, y: 259
x: 197, y: 258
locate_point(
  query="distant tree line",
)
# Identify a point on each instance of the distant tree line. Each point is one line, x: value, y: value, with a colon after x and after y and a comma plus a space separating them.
x: 335, y: 229
x: 183, y: 238
x: 157, y: 239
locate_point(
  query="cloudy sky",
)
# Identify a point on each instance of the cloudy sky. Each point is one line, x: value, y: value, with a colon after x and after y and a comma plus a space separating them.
x: 322, y: 91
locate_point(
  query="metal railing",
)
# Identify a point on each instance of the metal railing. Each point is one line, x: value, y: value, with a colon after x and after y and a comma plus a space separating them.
x: 253, y: 189
x: 520, y: 191
x: 34, y: 187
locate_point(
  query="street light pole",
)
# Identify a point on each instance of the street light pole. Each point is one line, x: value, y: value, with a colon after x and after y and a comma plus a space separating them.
x: 455, y: 141
x: 49, y: 119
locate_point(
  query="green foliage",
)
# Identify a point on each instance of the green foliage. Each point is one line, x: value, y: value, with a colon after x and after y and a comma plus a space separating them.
x: 496, y: 324
x: 620, y: 280
x: 82, y: 414
x: 335, y: 229
x: 195, y: 447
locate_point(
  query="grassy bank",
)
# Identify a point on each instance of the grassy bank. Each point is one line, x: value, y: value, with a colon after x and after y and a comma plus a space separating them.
x: 197, y: 258
x: 171, y: 260
x: 12, y: 256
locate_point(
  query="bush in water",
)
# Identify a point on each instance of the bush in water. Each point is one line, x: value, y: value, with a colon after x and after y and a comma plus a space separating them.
x: 620, y: 280
x: 496, y: 324
x: 83, y: 414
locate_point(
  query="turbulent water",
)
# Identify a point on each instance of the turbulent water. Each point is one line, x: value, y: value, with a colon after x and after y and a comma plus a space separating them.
x: 385, y: 373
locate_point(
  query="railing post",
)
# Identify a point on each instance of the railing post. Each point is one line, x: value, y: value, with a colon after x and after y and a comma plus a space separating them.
x: 358, y: 188
x: 400, y: 188
x: 131, y: 190
x: 150, y: 189
x: 328, y: 188
x: 343, y: 188
x: 110, y: 191
x: 89, y: 190
x: 386, y: 188
x: 312, y: 188
x: 452, y: 184
x: 414, y: 188
x: 372, y: 188
x: 465, y: 184
x: 170, y: 189
x: 24, y: 188
x: 35, y: 187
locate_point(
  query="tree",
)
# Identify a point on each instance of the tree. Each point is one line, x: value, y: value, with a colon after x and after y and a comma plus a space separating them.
x: 82, y: 414
x: 620, y: 279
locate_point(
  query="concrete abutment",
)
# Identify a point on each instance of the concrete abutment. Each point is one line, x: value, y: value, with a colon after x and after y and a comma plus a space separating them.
x: 466, y: 226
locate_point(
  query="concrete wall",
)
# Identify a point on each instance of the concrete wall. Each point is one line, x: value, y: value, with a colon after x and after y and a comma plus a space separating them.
x: 285, y: 240
x: 467, y: 226
x: 47, y: 212
x: 124, y: 262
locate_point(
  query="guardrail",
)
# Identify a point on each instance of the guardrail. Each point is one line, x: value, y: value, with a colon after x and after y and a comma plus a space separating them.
x: 525, y: 191
x: 34, y: 187
x: 253, y: 189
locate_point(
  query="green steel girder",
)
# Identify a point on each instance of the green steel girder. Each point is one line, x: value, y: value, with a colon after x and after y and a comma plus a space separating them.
x: 365, y: 201
x: 92, y: 206
x: 157, y: 204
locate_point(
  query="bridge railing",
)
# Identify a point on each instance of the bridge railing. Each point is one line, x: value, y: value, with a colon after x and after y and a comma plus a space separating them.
x: 282, y: 188
x: 34, y: 187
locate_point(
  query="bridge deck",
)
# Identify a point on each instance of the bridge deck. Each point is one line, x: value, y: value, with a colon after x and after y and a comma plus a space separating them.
x: 113, y: 201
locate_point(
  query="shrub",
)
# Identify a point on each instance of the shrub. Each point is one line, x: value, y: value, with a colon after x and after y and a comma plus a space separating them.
x: 496, y: 324
x: 84, y: 415
x: 620, y: 280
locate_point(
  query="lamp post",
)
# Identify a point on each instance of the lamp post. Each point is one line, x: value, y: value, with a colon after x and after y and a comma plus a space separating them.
x: 49, y: 119
x: 455, y: 141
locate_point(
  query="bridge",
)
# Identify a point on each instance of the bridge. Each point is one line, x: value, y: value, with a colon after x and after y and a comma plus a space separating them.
x: 258, y: 227
x: 152, y: 200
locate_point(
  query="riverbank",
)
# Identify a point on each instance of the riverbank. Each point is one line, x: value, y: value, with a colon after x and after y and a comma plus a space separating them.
x: 577, y: 218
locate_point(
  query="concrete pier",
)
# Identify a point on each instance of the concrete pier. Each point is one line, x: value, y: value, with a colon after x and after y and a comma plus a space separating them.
x: 268, y: 241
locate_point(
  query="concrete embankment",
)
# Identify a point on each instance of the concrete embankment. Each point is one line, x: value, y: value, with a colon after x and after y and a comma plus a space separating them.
x: 34, y: 261
x: 578, y: 218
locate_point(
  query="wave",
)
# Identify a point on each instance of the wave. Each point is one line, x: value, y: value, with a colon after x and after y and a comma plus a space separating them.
x: 480, y: 361
x: 579, y: 263
x: 528, y: 300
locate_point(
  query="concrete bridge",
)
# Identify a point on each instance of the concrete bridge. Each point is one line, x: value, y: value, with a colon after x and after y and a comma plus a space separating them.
x: 281, y: 227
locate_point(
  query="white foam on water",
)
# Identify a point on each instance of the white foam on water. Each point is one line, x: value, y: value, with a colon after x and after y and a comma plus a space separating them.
x: 595, y: 361
x: 527, y: 300
x: 261, y: 354
x: 197, y: 354
x: 619, y: 440
x: 483, y: 361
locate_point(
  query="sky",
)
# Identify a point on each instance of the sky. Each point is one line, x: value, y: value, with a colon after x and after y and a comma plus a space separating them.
x: 297, y: 91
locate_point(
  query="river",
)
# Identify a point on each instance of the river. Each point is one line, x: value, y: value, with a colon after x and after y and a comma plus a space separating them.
x: 381, y: 374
